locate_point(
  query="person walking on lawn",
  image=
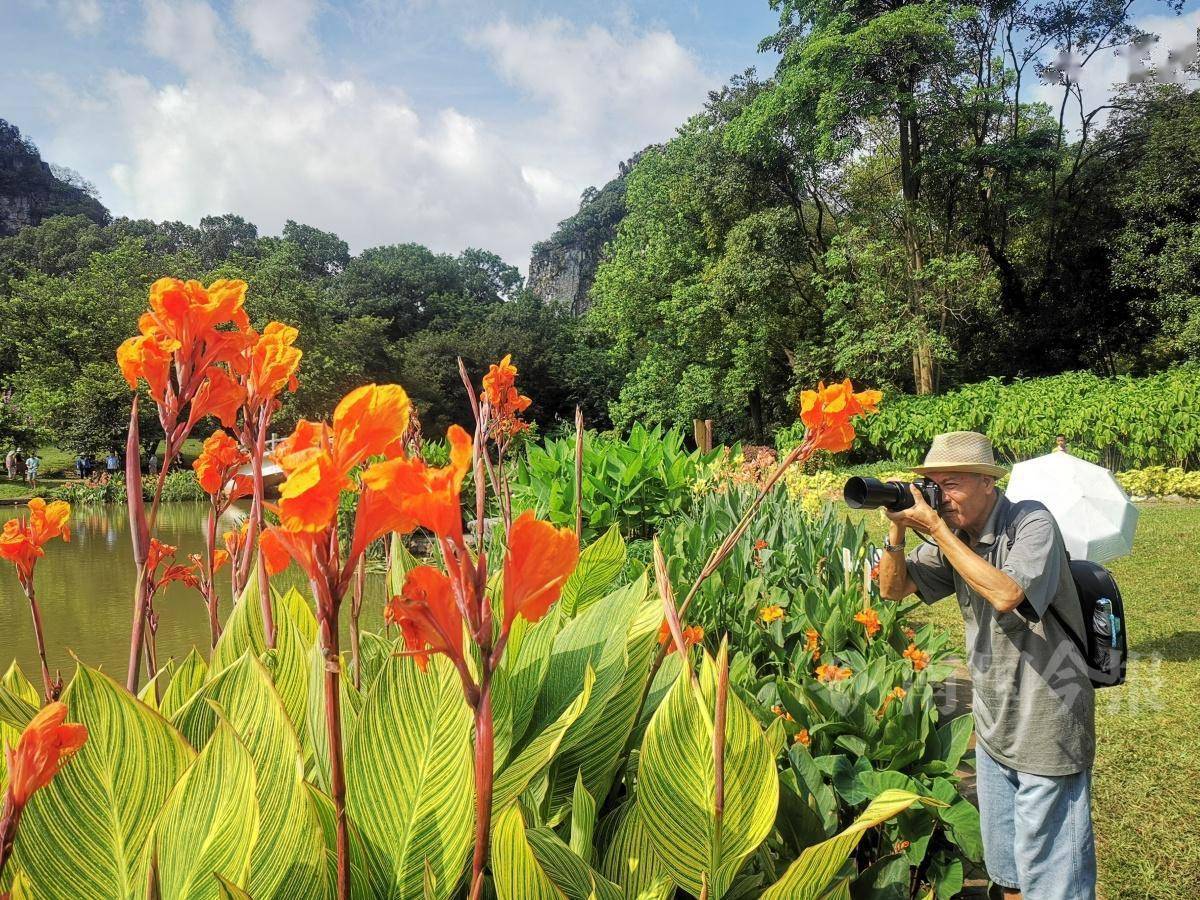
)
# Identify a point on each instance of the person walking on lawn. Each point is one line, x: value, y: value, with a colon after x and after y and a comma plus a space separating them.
x: 1032, y: 699
x: 10, y: 463
x: 32, y: 464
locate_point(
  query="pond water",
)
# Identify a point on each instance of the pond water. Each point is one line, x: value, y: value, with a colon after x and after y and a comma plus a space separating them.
x: 85, y: 591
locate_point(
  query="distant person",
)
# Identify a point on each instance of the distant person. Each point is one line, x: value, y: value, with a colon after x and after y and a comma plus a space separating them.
x: 32, y: 464
x: 10, y: 464
x: 1060, y: 444
x: 153, y: 465
x: 112, y: 463
x: 80, y: 467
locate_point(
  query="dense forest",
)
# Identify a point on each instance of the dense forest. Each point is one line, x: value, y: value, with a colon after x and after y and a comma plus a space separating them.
x: 889, y: 205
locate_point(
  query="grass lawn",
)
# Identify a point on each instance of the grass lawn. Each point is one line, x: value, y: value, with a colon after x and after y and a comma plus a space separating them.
x: 1148, y: 730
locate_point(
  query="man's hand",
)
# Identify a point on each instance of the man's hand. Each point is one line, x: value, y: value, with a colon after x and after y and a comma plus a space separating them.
x: 920, y: 516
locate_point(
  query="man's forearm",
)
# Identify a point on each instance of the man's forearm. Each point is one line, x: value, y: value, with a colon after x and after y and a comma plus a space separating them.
x: 894, y: 583
x: 989, y: 582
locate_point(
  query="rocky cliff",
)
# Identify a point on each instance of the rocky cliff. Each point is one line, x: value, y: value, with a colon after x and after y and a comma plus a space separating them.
x: 30, y: 191
x: 564, y: 266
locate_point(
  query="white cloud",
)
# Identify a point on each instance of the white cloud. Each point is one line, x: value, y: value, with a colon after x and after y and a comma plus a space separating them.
x: 279, y: 29
x: 190, y: 35
x: 599, y: 82
x: 1107, y: 70
x: 350, y: 155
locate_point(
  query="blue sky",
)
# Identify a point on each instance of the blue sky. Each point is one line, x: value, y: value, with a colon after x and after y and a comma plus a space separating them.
x: 453, y: 123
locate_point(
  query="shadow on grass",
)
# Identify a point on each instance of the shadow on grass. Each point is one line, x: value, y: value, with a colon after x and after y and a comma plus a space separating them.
x: 1183, y: 646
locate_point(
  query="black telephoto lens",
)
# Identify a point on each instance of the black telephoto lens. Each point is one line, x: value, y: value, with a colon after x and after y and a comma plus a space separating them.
x: 871, y: 493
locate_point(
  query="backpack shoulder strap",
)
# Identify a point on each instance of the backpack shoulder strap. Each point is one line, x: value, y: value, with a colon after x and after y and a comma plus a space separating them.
x: 1022, y: 508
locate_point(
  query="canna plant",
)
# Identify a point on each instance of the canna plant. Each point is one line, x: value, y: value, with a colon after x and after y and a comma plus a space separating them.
x: 21, y: 543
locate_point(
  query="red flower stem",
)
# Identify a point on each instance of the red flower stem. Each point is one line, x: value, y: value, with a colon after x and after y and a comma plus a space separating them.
x: 210, y: 587
x: 360, y: 577
x: 256, y: 511
x: 484, y: 761
x: 47, y: 684
x: 333, y: 715
x: 137, y: 632
x: 578, y: 473
x: 10, y: 817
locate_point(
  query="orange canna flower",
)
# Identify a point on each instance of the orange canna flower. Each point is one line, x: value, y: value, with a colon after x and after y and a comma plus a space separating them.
x: 219, y: 396
x: 21, y: 541
x: 919, y: 658
x: 827, y: 412
x: 218, y: 463
x: 769, y: 614
x: 896, y: 693
x: 909, y: 633
x: 760, y: 544
x: 148, y: 357
x: 803, y: 738
x: 692, y: 635
x: 811, y: 637
x: 273, y: 363
x: 41, y: 750
x: 235, y: 539
x: 161, y: 555
x: 370, y: 421
x: 428, y: 616
x: 424, y: 495
x: 187, y: 311
x: 782, y: 713
x: 275, y: 553
x: 506, y: 403
x: 869, y: 619
x: 831, y: 672
x: 540, y: 557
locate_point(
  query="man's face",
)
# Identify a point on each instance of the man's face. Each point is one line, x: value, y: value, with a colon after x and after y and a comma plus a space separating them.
x: 966, y: 498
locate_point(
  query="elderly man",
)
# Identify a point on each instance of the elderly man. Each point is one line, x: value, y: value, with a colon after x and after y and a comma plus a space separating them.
x: 1032, y: 699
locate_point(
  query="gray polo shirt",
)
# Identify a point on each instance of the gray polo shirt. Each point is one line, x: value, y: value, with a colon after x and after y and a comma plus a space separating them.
x: 1033, y: 702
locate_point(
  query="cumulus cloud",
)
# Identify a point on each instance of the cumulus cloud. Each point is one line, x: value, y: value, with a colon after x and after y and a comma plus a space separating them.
x: 260, y: 123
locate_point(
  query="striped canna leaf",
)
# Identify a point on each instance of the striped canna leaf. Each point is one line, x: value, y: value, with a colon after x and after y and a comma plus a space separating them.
x: 409, y: 779
x: 516, y: 873
x: 87, y: 833
x: 630, y: 860
x: 209, y: 823
x: 814, y: 871
x: 677, y: 785
x: 289, y: 857
x: 189, y: 677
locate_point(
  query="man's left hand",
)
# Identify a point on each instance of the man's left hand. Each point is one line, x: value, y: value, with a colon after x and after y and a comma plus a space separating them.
x: 920, y: 516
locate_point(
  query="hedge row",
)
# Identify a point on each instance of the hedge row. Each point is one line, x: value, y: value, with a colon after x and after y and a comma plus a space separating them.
x: 1121, y: 422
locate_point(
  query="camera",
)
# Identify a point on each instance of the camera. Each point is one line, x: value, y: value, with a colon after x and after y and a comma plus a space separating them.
x: 871, y: 493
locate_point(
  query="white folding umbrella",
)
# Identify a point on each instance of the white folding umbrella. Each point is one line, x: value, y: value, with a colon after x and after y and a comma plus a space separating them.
x: 1096, y: 518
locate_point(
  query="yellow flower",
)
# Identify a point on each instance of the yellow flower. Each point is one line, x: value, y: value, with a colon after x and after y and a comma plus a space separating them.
x: 810, y: 644
x: 897, y: 693
x: 769, y: 614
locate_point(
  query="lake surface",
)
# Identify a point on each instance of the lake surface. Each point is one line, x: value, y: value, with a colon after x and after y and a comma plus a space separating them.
x: 85, y: 591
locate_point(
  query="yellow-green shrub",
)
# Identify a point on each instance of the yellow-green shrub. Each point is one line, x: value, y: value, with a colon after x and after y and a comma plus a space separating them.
x: 1159, y: 481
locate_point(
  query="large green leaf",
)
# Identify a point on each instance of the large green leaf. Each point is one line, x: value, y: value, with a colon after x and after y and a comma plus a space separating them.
x: 599, y: 753
x: 295, y: 631
x: 566, y: 870
x: 410, y: 780
x: 189, y: 677
x: 599, y: 564
x: 814, y: 871
x: 631, y: 861
x: 289, y: 857
x: 517, y: 683
x: 209, y: 823
x: 535, y: 758
x: 87, y: 833
x: 14, y: 680
x: 516, y: 873
x: 676, y: 785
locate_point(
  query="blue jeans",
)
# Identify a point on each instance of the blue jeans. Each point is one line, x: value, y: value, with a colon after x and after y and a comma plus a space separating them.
x: 1037, y: 830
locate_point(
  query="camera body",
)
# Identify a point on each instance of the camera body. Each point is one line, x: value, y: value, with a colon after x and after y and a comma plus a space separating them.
x: 871, y: 493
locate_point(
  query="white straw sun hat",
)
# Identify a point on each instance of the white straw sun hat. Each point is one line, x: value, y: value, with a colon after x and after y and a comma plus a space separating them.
x: 961, y: 451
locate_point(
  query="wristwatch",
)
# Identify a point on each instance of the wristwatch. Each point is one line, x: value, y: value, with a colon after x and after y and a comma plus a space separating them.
x: 890, y: 547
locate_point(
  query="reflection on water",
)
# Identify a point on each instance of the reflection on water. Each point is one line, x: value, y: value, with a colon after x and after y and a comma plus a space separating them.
x: 85, y: 590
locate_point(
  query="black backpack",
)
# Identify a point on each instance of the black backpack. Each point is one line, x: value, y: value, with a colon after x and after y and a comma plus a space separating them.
x: 1104, y: 644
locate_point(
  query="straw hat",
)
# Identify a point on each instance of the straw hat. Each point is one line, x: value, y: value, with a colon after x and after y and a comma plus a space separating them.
x: 961, y: 451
